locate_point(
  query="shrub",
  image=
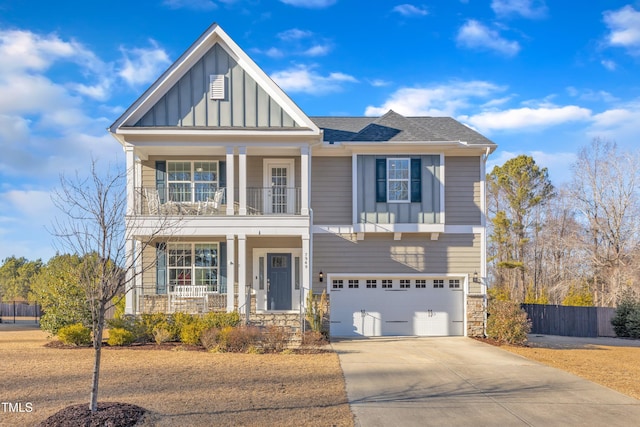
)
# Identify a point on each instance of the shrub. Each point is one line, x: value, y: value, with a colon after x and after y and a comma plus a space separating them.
x: 315, y: 311
x: 242, y: 338
x: 190, y: 333
x: 627, y: 318
x: 76, y: 334
x: 313, y: 339
x: 275, y: 339
x: 150, y: 322
x: 507, y: 322
x: 219, y: 320
x: 161, y: 335
x: 209, y: 338
x: 119, y: 337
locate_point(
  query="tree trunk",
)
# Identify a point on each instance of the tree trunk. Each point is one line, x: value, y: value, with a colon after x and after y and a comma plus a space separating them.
x: 97, y: 346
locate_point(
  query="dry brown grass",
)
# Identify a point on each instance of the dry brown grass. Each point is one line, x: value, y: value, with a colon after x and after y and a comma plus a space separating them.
x: 615, y: 367
x: 180, y: 387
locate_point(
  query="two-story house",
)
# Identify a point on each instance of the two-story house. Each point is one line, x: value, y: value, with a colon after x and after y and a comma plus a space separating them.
x: 385, y: 213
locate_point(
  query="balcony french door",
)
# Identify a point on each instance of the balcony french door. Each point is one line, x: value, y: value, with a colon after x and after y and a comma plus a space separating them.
x: 279, y: 186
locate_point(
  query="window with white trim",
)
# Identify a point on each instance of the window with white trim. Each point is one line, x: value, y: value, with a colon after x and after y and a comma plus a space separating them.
x: 372, y: 283
x: 192, y: 181
x: 398, y: 180
x: 405, y: 283
x: 421, y: 283
x: 438, y: 283
x: 193, y: 264
x: 387, y: 283
x: 354, y: 283
x: 338, y: 284
x: 454, y: 284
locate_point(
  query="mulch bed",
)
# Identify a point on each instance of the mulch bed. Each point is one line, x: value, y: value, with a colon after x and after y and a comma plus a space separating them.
x: 109, y: 414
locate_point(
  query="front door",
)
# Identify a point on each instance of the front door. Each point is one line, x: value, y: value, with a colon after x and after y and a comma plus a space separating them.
x: 278, y: 281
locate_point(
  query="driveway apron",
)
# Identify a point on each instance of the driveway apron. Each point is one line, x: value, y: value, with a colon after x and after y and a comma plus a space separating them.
x: 457, y: 381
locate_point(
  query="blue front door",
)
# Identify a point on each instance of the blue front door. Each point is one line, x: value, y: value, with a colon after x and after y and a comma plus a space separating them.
x: 278, y: 281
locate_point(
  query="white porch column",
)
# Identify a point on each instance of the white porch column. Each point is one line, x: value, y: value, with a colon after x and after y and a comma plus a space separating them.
x: 131, y: 178
x: 231, y: 272
x: 230, y: 181
x: 305, y: 158
x: 137, y: 281
x: 242, y: 180
x: 242, y: 274
x: 130, y: 288
x: 306, y: 270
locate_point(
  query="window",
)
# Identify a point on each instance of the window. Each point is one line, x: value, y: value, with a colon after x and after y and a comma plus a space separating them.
x: 261, y: 273
x: 387, y: 284
x: 193, y: 264
x: 421, y: 283
x: 454, y: 284
x: 438, y: 283
x: 398, y: 174
x: 372, y: 283
x: 354, y: 284
x: 297, y: 273
x: 192, y: 181
x: 405, y: 284
x: 338, y: 284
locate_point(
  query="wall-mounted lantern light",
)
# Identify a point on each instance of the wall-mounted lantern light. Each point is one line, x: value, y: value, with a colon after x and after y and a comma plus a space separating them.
x: 475, y: 277
x: 321, y: 277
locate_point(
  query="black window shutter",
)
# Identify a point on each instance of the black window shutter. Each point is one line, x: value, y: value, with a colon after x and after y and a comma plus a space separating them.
x: 416, y: 180
x: 161, y: 179
x: 381, y: 180
x: 161, y: 268
x: 222, y: 179
x: 222, y: 263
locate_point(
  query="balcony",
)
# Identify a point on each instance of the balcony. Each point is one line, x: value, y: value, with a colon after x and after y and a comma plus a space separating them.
x: 212, y: 202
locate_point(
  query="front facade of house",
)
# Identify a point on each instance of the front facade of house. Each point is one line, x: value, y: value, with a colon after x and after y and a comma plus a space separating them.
x: 239, y: 201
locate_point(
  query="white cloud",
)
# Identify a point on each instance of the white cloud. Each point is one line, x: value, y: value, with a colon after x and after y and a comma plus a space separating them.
x: 378, y: 82
x: 143, y: 65
x: 303, y: 79
x: 591, y: 95
x: 439, y: 100
x: 531, y: 9
x: 526, y: 118
x: 410, y: 10
x: 311, y: 4
x: 317, y: 50
x: 190, y: 4
x: 476, y: 36
x: 624, y: 27
x: 608, y: 64
x: 294, y: 34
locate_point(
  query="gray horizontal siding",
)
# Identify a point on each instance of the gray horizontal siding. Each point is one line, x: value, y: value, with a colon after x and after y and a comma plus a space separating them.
x: 462, y: 191
x: 187, y: 103
x: 415, y: 253
x: 331, y: 190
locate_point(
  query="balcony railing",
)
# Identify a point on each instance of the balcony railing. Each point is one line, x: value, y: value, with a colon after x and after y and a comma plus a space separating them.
x: 260, y: 201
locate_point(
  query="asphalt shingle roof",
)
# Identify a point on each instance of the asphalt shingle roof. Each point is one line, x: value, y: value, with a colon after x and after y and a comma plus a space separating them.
x: 395, y: 127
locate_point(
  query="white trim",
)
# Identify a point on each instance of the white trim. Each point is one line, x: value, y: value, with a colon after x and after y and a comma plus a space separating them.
x: 397, y: 228
x: 261, y: 294
x: 408, y: 179
x: 242, y: 180
x: 305, y: 178
x: 230, y: 157
x: 231, y: 272
x: 354, y: 188
x: 442, y: 188
x: 242, y: 274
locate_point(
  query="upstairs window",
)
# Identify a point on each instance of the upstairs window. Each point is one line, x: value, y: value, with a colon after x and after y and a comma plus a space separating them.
x: 192, y: 181
x: 398, y: 180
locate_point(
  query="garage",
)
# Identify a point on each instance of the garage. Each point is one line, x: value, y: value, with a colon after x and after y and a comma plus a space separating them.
x: 396, y: 306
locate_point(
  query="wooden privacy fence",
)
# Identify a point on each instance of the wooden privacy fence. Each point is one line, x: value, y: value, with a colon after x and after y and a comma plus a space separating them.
x: 570, y: 321
x: 17, y: 309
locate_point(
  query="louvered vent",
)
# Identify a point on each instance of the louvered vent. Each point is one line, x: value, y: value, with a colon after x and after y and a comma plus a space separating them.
x: 216, y: 86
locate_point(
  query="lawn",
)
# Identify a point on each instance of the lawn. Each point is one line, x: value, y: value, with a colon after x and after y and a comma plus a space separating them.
x: 178, y: 386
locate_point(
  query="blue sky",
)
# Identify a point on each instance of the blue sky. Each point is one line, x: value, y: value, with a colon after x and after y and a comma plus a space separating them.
x: 537, y: 77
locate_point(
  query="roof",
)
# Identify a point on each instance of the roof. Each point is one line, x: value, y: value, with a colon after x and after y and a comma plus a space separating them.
x: 395, y: 127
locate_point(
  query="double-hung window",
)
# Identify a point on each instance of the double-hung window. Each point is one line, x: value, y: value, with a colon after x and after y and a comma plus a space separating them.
x: 398, y: 180
x: 192, y: 181
x: 194, y: 264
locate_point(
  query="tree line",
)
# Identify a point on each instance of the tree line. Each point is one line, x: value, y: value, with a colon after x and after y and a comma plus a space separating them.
x: 576, y: 244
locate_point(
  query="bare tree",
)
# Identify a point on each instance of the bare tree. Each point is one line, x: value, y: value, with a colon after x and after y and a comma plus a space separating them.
x: 605, y: 189
x: 93, y: 226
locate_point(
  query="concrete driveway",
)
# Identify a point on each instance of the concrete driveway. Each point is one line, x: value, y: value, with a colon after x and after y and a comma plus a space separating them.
x: 458, y: 381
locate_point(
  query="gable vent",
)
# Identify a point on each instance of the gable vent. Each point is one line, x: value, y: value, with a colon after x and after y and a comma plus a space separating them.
x: 216, y: 86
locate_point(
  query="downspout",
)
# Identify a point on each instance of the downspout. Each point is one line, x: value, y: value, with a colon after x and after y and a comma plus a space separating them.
x: 483, y: 266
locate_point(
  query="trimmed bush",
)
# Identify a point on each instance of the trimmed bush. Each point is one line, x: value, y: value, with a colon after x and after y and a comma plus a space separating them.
x: 120, y: 337
x: 507, y: 322
x: 209, y: 338
x: 190, y: 333
x: 313, y: 339
x: 76, y: 334
x: 275, y: 339
x: 219, y: 320
x: 242, y: 338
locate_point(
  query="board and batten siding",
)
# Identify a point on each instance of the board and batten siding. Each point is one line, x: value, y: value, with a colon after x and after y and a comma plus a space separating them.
x: 331, y: 193
x: 246, y: 104
x: 379, y: 253
x: 462, y: 191
x: 425, y: 212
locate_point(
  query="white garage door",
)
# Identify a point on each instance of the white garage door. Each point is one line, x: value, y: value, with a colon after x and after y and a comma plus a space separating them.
x: 398, y: 306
